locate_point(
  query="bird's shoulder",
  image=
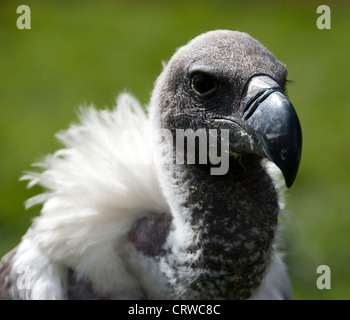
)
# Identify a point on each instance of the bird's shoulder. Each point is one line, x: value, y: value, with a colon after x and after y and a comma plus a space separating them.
x: 7, y: 282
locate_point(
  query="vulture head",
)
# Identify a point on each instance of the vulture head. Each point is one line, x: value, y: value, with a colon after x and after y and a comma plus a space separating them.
x: 199, y: 222
x: 228, y: 80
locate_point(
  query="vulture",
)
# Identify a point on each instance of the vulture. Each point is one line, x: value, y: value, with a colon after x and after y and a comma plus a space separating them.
x: 180, y: 200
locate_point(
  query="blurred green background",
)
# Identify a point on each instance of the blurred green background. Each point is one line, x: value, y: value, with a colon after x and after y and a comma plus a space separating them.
x: 82, y: 52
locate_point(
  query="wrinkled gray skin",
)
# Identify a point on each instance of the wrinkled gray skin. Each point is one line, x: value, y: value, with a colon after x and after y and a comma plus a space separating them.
x: 233, y: 217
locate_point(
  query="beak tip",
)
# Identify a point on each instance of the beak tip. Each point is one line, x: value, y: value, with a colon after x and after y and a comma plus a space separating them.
x: 289, y: 168
x: 289, y: 179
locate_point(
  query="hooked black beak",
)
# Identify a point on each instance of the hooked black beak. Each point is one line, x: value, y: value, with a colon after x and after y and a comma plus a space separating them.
x: 270, y: 118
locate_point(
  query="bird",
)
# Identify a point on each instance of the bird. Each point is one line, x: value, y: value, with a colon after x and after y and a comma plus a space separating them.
x: 126, y: 215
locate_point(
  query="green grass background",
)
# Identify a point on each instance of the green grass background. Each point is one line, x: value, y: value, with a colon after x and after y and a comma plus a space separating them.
x: 81, y: 52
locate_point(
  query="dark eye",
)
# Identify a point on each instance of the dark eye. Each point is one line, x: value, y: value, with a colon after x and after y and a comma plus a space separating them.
x: 203, y: 85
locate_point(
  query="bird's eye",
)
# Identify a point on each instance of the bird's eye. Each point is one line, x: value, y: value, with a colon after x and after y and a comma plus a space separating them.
x: 203, y: 85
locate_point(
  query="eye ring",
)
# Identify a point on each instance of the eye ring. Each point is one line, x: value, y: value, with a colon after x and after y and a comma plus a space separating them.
x: 203, y: 85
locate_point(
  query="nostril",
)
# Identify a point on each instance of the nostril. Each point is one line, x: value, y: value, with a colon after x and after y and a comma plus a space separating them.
x: 249, y: 109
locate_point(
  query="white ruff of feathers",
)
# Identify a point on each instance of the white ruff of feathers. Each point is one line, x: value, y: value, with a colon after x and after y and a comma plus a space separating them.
x: 97, y: 186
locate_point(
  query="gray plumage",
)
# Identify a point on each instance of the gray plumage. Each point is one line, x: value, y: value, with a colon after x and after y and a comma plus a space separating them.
x: 191, y: 234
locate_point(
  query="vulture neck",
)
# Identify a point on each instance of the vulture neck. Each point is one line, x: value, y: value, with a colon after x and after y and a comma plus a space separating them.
x: 223, y: 229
